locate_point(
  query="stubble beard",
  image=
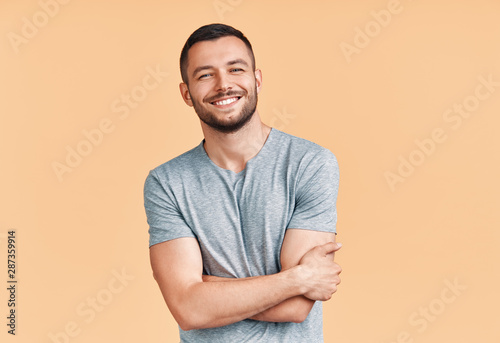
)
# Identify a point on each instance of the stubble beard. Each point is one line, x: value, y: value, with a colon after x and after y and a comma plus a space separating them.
x: 243, y: 118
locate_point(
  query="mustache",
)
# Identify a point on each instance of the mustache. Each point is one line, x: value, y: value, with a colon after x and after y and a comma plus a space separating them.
x: 225, y: 95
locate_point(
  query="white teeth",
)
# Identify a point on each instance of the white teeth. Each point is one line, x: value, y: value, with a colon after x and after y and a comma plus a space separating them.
x: 226, y: 101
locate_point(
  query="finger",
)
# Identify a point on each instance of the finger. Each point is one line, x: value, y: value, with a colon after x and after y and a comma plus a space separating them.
x: 330, y: 247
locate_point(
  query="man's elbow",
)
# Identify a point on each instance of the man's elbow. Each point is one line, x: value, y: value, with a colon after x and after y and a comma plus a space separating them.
x: 186, y: 325
x: 299, y: 311
x: 300, y: 315
x: 187, y: 317
x: 195, y: 321
x: 189, y: 320
x: 191, y: 317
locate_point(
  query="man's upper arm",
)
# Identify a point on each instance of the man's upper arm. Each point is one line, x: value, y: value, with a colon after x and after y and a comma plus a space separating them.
x: 174, y: 251
x: 176, y: 264
x: 299, y: 241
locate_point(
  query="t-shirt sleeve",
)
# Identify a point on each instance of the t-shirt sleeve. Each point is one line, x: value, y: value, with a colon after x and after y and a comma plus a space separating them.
x: 316, y: 195
x: 163, y: 216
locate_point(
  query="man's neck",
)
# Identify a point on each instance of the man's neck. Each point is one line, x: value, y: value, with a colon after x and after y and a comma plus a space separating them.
x: 233, y: 150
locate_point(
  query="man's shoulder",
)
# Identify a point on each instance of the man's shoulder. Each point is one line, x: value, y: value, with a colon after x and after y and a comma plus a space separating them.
x: 302, y: 148
x: 179, y: 164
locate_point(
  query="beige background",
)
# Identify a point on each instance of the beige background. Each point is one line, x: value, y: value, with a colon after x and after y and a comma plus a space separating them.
x: 404, y: 243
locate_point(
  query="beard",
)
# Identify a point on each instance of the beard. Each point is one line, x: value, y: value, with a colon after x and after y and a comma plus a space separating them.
x: 238, y: 122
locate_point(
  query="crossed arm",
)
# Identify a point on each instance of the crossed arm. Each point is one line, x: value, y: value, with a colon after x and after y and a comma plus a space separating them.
x: 197, y: 301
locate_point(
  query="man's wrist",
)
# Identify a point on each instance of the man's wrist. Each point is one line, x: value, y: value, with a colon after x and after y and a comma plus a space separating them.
x: 295, y: 278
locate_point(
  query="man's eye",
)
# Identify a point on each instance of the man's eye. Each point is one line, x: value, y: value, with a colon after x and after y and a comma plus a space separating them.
x: 203, y: 76
x: 236, y: 69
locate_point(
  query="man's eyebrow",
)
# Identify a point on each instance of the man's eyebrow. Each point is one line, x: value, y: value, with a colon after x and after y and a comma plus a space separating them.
x: 197, y: 70
x: 237, y: 61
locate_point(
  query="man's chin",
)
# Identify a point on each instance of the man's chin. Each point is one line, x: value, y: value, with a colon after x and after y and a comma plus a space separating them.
x: 226, y: 128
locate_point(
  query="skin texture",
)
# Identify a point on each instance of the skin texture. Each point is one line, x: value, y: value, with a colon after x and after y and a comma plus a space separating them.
x: 234, y: 133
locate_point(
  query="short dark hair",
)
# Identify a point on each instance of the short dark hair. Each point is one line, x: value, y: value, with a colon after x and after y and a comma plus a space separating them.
x: 207, y: 33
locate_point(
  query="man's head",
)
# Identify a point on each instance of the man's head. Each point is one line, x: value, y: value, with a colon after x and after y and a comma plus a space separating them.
x: 210, y: 33
x: 220, y: 79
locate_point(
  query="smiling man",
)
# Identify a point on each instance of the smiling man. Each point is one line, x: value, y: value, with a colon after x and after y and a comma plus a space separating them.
x: 242, y: 227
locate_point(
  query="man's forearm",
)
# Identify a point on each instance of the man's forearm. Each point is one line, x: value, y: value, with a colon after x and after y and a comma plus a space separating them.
x: 196, y: 303
x: 294, y: 309
x: 213, y: 304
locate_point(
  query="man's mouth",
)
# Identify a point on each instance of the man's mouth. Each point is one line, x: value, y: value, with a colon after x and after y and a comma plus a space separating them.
x: 227, y: 101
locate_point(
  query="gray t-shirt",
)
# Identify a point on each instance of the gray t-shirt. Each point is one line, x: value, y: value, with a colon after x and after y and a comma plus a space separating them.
x: 240, y: 219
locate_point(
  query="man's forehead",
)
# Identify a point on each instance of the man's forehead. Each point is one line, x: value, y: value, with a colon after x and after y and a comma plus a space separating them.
x: 221, y: 51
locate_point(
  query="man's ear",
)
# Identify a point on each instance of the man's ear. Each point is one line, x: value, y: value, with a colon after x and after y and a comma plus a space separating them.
x: 185, y: 94
x: 258, y: 79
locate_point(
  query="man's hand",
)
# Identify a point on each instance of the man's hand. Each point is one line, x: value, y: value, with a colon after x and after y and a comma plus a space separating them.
x: 319, y: 272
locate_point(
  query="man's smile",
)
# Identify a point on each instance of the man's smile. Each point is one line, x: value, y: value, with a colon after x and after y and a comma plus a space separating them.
x: 225, y: 102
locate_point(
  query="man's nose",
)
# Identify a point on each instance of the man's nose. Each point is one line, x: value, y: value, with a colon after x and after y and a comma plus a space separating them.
x: 223, y: 83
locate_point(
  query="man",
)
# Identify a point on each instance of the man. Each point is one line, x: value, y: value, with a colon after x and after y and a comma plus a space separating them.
x: 242, y: 227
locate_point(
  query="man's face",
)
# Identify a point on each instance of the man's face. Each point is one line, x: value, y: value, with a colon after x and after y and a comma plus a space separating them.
x: 223, y: 86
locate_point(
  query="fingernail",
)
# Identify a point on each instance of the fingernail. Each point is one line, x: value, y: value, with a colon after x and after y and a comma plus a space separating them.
x: 339, y: 244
